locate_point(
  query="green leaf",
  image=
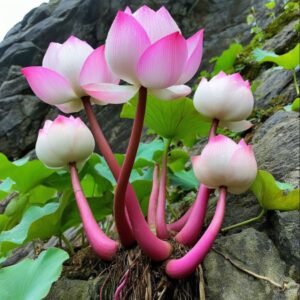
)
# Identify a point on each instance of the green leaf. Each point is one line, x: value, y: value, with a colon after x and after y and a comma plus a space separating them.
x: 296, y: 105
x: 37, y: 222
x: 5, y: 187
x: 185, y: 180
x: 177, y: 159
x: 41, y: 194
x: 225, y: 62
x: 17, y: 235
x: 32, y: 279
x: 175, y: 120
x: 271, y: 196
x: 270, y: 5
x: 289, y: 60
x: 19, y: 172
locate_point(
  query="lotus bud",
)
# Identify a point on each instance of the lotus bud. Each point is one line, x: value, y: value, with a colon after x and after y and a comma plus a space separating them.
x: 64, y: 141
x: 227, y: 98
x: 223, y: 163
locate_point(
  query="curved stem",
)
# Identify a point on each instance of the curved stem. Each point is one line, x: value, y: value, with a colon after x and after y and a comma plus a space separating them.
x: 153, y: 199
x: 178, y: 225
x: 161, y: 227
x: 105, y: 247
x: 117, y: 295
x: 68, y: 244
x: 186, y: 265
x: 249, y: 221
x: 189, y: 234
x: 155, y: 248
x: 126, y: 235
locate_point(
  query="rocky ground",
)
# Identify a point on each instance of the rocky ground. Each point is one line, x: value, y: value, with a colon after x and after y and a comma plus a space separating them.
x: 260, y: 261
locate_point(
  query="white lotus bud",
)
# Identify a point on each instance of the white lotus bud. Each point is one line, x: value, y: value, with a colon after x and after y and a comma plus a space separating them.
x: 225, y: 163
x: 227, y: 98
x: 64, y: 141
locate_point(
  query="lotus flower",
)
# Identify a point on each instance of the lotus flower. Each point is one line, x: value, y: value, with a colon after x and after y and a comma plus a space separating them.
x: 64, y: 141
x: 146, y: 48
x: 223, y: 163
x: 227, y: 98
x: 66, y: 68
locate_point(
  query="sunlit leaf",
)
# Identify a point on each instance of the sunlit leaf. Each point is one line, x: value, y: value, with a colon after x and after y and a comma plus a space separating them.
x: 26, y: 174
x: 296, y: 105
x: 289, y: 60
x: 225, y: 62
x: 271, y: 196
x: 32, y: 279
x: 175, y: 119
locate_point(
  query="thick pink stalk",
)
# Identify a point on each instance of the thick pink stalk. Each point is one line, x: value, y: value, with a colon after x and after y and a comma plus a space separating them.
x: 100, y: 243
x: 189, y: 234
x: 186, y: 265
x: 153, y: 199
x: 155, y: 248
x: 126, y: 235
x: 178, y: 225
x: 161, y: 227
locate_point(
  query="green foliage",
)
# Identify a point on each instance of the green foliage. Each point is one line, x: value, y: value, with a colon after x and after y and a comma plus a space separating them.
x: 225, y: 62
x: 177, y: 159
x: 272, y: 195
x: 295, y: 106
x: 289, y: 60
x: 270, y: 4
x: 32, y: 279
x: 185, y: 180
x: 176, y: 120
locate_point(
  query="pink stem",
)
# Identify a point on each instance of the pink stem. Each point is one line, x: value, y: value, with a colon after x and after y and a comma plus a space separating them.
x: 161, y: 227
x: 155, y: 248
x: 213, y: 128
x: 121, y: 286
x: 186, y: 265
x: 100, y: 243
x: 153, y: 199
x: 178, y: 225
x: 189, y: 234
x: 126, y: 235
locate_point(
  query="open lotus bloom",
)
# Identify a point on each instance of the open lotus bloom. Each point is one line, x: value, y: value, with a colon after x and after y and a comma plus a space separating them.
x: 223, y: 163
x: 64, y: 141
x: 146, y: 48
x: 227, y: 98
x: 66, y: 68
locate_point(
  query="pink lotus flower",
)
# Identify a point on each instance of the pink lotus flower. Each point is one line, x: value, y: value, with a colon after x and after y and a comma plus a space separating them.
x: 227, y: 98
x: 223, y: 163
x: 146, y: 48
x: 66, y: 69
x: 64, y: 141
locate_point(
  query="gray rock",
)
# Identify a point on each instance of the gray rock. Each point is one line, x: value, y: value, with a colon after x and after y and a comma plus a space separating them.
x: 275, y: 86
x: 276, y: 145
x: 251, y: 250
x: 66, y: 289
x: 285, y: 232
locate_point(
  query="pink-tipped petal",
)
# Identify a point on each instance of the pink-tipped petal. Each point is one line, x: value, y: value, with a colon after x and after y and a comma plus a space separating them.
x: 195, y: 47
x: 126, y: 41
x: 49, y: 86
x: 71, y: 56
x: 71, y: 107
x: 162, y: 63
x: 95, y: 69
x: 195, y: 161
x: 157, y: 24
x: 243, y: 169
x: 50, y: 59
x: 128, y: 10
x: 110, y: 93
x: 239, y: 79
x: 238, y: 126
x: 173, y: 92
